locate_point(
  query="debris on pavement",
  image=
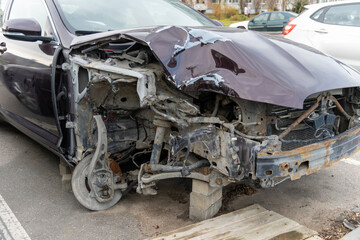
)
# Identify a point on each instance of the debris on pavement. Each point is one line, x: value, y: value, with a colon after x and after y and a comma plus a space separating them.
x: 351, y: 224
x: 341, y: 226
x: 234, y: 191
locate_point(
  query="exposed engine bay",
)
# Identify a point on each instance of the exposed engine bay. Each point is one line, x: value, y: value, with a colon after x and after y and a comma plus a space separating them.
x: 132, y: 127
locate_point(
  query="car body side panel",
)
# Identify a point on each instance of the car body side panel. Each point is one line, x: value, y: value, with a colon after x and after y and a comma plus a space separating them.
x: 25, y: 88
x: 341, y: 42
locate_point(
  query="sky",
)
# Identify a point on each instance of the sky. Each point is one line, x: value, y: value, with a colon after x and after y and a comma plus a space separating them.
x: 3, y: 3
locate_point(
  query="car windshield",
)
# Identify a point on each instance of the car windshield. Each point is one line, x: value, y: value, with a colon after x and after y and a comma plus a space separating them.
x: 89, y: 16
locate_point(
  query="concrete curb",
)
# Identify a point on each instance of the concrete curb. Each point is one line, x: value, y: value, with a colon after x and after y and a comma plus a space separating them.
x: 354, y: 235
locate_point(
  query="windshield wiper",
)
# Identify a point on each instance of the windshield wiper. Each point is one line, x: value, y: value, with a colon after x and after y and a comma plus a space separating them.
x: 86, y: 32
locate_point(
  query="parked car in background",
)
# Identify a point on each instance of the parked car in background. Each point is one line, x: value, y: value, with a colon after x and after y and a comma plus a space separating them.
x: 332, y: 28
x: 268, y: 21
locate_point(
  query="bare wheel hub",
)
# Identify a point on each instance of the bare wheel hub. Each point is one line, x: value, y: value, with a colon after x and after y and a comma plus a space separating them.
x: 92, y: 181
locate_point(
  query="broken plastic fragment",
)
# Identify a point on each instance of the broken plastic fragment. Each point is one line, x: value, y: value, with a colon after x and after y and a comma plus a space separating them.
x: 202, y: 36
x: 214, y: 78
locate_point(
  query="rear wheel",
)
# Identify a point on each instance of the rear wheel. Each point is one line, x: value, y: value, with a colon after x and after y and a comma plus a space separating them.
x: 82, y: 191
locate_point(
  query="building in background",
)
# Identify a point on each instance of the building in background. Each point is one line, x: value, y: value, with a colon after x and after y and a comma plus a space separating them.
x: 199, y: 5
x: 255, y: 6
x: 232, y: 3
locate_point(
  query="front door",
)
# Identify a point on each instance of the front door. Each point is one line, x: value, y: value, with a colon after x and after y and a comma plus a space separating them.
x: 258, y: 23
x: 25, y: 75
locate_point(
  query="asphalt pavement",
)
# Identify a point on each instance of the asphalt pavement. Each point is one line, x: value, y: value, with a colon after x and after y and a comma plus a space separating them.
x: 31, y: 187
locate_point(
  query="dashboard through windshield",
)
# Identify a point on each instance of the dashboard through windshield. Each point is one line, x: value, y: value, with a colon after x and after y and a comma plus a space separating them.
x: 91, y: 16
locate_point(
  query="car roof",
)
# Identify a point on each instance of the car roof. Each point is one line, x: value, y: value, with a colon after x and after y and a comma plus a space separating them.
x: 320, y: 5
x: 288, y: 12
x: 280, y: 12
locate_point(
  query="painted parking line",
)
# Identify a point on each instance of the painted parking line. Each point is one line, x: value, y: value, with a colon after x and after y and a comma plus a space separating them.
x: 10, y: 227
x: 351, y: 161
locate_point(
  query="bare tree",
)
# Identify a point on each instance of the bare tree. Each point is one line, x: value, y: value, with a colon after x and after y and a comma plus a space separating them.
x: 271, y: 4
x: 287, y: 4
x: 242, y: 5
x: 256, y: 4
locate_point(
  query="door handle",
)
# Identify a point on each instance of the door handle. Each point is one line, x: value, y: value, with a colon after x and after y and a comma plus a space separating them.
x: 3, y: 48
x: 321, y: 31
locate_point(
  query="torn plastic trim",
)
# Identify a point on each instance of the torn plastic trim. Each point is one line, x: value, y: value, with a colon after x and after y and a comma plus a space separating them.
x: 216, y: 79
x: 57, y: 53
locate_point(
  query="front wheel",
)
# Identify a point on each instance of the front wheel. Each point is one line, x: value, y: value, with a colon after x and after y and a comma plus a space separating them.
x: 82, y: 191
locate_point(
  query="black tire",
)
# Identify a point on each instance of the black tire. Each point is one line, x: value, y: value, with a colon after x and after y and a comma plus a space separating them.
x: 82, y: 191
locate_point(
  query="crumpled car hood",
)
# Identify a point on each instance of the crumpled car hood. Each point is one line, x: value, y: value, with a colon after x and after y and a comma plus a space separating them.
x: 240, y: 63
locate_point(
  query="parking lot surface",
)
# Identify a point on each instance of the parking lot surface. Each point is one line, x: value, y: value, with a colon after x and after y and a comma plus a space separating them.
x: 31, y: 186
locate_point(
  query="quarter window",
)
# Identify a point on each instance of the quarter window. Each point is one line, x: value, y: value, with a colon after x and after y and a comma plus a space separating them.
x: 316, y: 16
x: 346, y: 15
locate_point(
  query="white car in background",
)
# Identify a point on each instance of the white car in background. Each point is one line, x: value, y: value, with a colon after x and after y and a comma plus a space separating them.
x: 242, y: 24
x: 332, y: 28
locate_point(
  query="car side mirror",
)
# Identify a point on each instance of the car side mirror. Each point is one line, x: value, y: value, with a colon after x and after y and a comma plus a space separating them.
x: 24, y: 29
x: 218, y: 23
x: 252, y: 20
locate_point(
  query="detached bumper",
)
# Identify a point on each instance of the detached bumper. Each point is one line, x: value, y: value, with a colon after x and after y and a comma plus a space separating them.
x: 308, y: 159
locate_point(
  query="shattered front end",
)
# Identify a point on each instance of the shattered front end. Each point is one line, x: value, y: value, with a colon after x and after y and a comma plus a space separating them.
x: 175, y: 102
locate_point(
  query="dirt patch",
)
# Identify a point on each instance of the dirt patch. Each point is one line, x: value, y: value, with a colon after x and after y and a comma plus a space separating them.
x: 182, y: 197
x: 184, y: 216
x: 337, y: 230
x: 234, y: 191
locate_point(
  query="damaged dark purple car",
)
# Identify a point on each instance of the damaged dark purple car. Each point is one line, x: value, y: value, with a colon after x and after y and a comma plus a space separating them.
x: 179, y: 98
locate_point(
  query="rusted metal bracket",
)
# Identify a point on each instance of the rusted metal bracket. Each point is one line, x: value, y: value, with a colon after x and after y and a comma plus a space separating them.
x: 161, y: 126
x: 341, y: 109
x: 301, y: 118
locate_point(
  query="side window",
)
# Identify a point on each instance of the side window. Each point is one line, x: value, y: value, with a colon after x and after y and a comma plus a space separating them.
x: 346, y: 15
x: 277, y: 16
x: 32, y: 9
x: 261, y: 18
